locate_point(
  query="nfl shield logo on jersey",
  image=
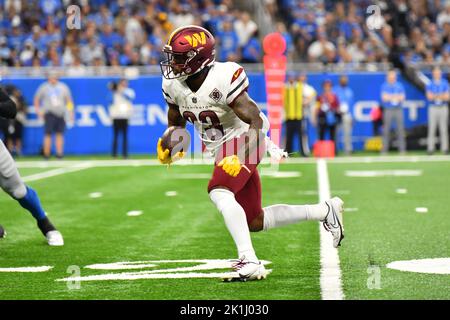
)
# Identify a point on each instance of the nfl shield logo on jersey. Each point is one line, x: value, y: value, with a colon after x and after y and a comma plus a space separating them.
x: 215, y: 95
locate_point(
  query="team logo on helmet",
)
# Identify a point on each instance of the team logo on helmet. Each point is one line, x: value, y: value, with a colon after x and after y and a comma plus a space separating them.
x: 196, y: 38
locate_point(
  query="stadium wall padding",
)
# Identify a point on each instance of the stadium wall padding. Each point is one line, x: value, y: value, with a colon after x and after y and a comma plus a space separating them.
x: 92, y: 132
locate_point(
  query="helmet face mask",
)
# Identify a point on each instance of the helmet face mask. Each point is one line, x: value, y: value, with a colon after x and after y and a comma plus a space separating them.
x: 189, y: 50
x: 176, y: 65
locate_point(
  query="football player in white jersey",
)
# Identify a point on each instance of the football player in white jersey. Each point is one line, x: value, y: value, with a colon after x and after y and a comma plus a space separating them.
x: 213, y: 96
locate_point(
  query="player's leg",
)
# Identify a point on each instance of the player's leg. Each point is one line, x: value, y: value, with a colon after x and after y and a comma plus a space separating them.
x: 115, y: 137
x: 289, y: 136
x: 59, y: 145
x: 329, y: 212
x: 47, y: 145
x: 12, y: 184
x: 258, y: 218
x: 432, y: 126
x: 401, y: 131
x: 387, y: 123
x: 443, y: 129
x: 60, y: 129
x: 222, y: 190
x: 125, y: 138
x: 48, y: 131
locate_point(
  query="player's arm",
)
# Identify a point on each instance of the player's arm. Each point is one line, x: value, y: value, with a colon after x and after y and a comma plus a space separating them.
x: 430, y: 95
x: 247, y: 110
x: 386, y: 97
x: 8, y: 108
x: 174, y: 118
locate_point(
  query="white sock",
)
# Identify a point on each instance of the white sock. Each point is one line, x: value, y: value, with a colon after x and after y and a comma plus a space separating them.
x: 235, y: 220
x: 283, y: 214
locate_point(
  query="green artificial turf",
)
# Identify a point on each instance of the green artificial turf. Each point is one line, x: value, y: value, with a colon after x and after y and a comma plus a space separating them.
x: 186, y: 226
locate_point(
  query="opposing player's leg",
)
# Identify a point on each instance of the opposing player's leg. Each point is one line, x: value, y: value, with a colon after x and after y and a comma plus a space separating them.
x: 12, y: 184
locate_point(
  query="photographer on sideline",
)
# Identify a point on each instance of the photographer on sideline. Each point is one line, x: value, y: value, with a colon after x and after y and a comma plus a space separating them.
x: 120, y: 112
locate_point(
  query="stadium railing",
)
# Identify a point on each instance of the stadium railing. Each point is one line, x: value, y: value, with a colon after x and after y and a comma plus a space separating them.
x: 136, y: 71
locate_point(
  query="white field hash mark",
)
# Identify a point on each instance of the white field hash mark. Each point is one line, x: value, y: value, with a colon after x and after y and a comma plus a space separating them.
x: 27, y: 269
x: 382, y: 173
x: 134, y: 213
x: 330, y: 273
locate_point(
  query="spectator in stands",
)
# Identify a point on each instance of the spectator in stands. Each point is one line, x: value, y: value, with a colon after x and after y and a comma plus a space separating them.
x: 345, y: 96
x: 392, y: 98
x: 180, y: 15
x: 245, y: 28
x: 228, y: 43
x: 252, y: 51
x: 315, y: 27
x: 52, y: 101
x: 321, y: 49
x: 290, y: 49
x: 327, y: 112
x: 121, y: 111
x: 438, y: 96
x: 91, y: 51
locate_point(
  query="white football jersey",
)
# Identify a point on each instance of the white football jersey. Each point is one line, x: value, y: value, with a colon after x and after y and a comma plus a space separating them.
x: 208, y: 108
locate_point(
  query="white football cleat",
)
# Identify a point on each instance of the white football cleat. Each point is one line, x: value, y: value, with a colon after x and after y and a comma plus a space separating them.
x: 249, y: 270
x: 54, y: 238
x: 333, y: 220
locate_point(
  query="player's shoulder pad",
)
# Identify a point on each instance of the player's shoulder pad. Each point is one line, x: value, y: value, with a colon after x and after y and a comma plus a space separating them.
x: 167, y: 90
x: 238, y: 81
x: 235, y: 71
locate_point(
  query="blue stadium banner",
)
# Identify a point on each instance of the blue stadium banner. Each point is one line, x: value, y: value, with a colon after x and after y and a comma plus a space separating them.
x: 92, y: 131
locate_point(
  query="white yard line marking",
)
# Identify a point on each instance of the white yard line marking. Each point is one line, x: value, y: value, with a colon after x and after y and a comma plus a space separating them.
x: 208, y: 161
x: 330, y: 273
x: 57, y: 172
x: 422, y: 210
x: 382, y: 173
x: 308, y: 192
x: 171, y: 193
x: 351, y: 209
x: 274, y: 174
x: 27, y: 269
x: 281, y: 174
x: 401, y: 190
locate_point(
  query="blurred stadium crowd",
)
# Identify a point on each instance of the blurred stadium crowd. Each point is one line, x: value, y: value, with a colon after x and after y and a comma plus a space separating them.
x: 131, y: 32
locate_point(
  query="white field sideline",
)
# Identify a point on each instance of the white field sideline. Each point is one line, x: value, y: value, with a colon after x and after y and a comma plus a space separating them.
x: 209, y: 161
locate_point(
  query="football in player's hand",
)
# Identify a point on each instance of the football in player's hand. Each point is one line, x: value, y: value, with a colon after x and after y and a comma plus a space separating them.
x: 176, y: 139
